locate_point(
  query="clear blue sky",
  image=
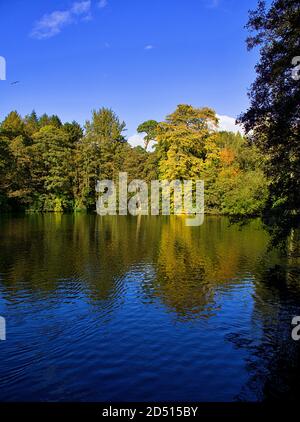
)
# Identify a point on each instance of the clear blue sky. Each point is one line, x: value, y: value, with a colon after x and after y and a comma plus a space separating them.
x: 139, y: 57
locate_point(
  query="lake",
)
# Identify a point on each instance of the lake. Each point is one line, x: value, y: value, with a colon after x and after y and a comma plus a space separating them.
x: 145, y: 309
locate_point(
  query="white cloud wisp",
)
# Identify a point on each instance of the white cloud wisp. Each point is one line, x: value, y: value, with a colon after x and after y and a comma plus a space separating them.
x: 52, y: 23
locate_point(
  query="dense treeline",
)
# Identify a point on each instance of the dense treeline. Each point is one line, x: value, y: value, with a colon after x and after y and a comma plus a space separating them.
x: 50, y: 166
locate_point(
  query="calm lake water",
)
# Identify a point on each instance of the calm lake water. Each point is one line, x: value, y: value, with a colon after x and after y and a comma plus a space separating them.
x: 124, y: 309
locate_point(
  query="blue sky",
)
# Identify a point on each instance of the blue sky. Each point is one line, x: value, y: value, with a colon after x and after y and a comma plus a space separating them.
x: 139, y: 57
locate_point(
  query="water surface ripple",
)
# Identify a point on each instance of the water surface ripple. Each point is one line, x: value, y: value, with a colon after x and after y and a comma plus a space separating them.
x: 124, y: 308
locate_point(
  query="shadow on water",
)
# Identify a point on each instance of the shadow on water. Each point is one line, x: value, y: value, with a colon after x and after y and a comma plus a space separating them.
x: 274, y: 363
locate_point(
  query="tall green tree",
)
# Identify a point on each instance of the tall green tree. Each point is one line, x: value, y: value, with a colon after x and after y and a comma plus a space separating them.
x: 12, y: 125
x: 273, y: 119
x: 185, y: 140
x: 53, y: 168
x: 31, y: 123
x: 99, y: 154
x: 105, y: 126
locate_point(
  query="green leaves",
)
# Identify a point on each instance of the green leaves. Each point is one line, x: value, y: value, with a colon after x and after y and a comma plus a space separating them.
x: 50, y: 166
x: 272, y: 121
x: 150, y: 128
x: 182, y: 141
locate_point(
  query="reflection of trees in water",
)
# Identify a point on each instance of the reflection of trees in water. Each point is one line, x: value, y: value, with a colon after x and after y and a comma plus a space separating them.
x: 42, y: 254
x: 183, y: 267
x: 274, y: 357
x: 283, y: 229
x: 193, y: 262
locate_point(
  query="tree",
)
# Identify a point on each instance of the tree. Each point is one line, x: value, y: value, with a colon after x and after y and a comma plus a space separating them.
x: 150, y: 128
x: 12, y: 125
x: 86, y: 165
x: 185, y: 140
x: 5, y: 163
x: 99, y: 155
x: 20, y: 188
x: 52, y: 168
x: 273, y: 119
x: 105, y: 131
x: 194, y: 118
x: 105, y: 126
x: 53, y: 120
x: 31, y: 123
x: 234, y: 179
x: 73, y: 130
